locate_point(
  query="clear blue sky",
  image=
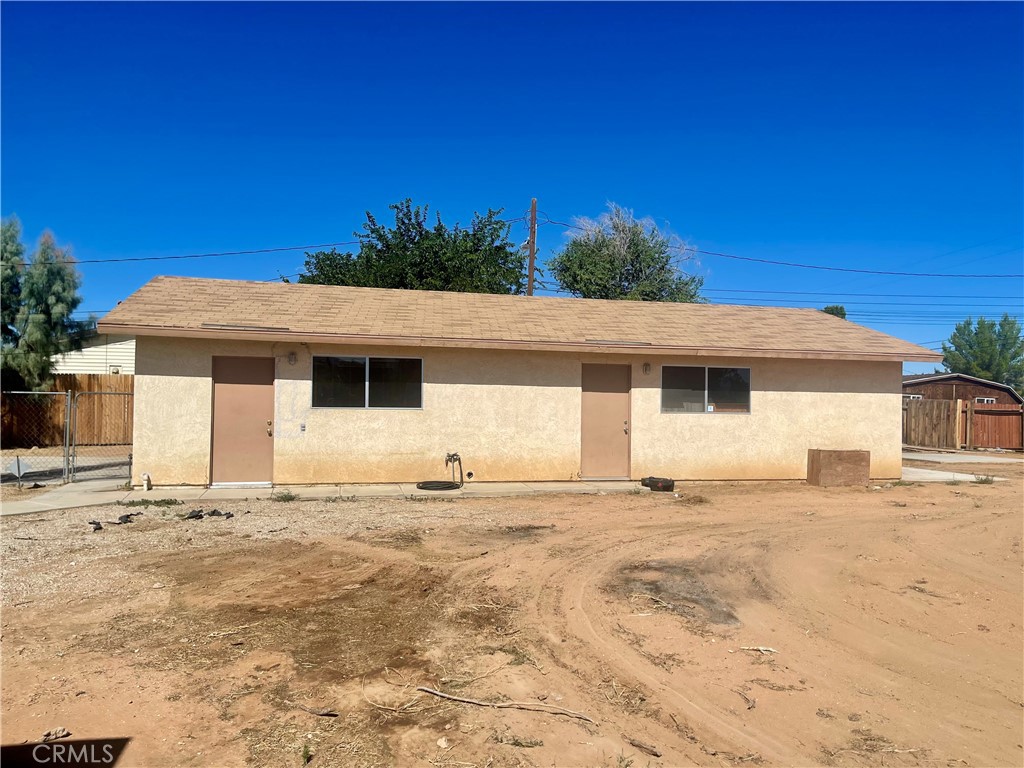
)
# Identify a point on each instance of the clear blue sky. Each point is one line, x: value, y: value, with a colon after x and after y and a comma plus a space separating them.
x: 863, y: 135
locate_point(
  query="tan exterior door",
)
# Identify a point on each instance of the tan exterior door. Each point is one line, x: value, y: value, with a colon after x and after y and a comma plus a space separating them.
x: 605, y: 422
x: 243, y: 420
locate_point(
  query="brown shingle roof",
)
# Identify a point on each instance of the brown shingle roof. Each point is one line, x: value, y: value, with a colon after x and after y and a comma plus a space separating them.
x: 176, y: 306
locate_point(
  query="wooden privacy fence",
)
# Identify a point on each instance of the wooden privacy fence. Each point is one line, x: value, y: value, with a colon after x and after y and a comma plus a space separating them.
x: 991, y: 426
x: 958, y: 424
x: 28, y: 421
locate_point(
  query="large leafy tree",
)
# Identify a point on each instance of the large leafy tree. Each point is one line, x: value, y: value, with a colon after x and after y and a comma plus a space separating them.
x: 41, y: 311
x: 988, y: 350
x: 417, y: 255
x: 620, y: 257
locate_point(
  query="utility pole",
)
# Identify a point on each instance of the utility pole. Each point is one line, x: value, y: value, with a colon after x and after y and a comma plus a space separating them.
x: 533, y: 246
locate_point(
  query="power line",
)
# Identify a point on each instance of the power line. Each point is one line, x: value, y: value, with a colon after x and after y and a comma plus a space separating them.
x: 812, y: 302
x: 837, y: 295
x: 209, y: 255
x: 230, y: 253
x: 819, y: 266
x: 850, y: 269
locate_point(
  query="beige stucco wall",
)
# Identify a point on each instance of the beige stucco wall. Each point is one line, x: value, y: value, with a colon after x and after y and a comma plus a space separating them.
x: 512, y: 416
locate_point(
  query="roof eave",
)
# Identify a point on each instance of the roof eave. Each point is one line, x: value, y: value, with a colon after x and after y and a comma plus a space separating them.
x: 278, y: 335
x: 942, y: 376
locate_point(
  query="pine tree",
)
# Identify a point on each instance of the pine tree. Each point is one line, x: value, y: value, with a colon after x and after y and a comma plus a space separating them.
x: 987, y: 350
x: 12, y: 268
x: 43, y: 324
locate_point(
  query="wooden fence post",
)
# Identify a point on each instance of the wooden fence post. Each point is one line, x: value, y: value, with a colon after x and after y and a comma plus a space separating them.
x: 970, y: 425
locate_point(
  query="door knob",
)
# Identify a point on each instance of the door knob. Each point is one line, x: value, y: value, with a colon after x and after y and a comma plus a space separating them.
x: 270, y: 428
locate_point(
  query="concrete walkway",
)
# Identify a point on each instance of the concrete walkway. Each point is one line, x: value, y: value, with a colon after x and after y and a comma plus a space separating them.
x: 964, y: 457
x: 921, y: 475
x: 95, y: 492
x: 88, y: 493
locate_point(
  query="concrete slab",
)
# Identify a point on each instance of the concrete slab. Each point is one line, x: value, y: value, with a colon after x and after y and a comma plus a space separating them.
x: 558, y: 486
x: 315, y: 491
x: 490, y: 490
x: 972, y: 457
x: 226, y: 494
x: 615, y: 486
x: 393, y: 490
x: 920, y: 475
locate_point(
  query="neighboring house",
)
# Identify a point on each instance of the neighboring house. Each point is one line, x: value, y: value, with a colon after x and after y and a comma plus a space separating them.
x: 958, y: 386
x: 100, y: 353
x: 247, y: 382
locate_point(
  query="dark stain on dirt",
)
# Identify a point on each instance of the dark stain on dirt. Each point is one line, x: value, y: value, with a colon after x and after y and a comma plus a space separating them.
x: 338, y: 616
x: 678, y: 586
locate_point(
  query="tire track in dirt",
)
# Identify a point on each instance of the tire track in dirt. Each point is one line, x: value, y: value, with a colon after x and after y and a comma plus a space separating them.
x: 565, y: 603
x: 579, y: 610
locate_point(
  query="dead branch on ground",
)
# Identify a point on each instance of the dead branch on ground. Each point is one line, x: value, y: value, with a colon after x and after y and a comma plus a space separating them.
x: 528, y: 706
x: 648, y: 749
x: 318, y: 711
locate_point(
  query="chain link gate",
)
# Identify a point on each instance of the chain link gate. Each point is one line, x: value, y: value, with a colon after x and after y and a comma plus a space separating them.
x: 101, y: 436
x: 63, y: 437
x: 36, y: 435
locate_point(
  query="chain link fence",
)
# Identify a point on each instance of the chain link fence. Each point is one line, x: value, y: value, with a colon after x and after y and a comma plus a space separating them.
x: 101, y: 435
x: 62, y: 437
x: 36, y: 433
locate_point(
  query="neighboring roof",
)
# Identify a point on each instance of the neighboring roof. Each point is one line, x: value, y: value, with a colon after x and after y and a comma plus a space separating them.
x: 925, y: 378
x: 200, y: 308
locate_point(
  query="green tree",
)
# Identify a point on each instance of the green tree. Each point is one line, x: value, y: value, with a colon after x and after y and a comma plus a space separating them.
x: 12, y: 268
x: 988, y: 350
x: 620, y: 257
x: 43, y: 322
x: 835, y: 309
x: 415, y: 255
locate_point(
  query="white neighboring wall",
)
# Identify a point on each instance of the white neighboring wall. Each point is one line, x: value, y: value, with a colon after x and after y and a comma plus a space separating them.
x: 104, y: 353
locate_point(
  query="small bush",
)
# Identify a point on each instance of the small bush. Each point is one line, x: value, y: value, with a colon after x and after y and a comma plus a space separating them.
x: 983, y: 479
x: 283, y: 495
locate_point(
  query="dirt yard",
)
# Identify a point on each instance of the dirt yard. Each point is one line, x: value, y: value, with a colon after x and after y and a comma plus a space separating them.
x: 731, y: 625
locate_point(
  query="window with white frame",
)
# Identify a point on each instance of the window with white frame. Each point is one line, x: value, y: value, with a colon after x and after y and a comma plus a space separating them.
x: 912, y: 397
x: 704, y: 389
x: 367, y: 382
x: 985, y: 400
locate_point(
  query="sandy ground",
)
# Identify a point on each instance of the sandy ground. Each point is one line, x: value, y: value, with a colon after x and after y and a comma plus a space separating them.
x: 893, y: 617
x: 11, y: 491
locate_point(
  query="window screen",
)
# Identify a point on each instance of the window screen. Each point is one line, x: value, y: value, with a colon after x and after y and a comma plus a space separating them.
x: 682, y: 389
x: 396, y: 383
x: 729, y: 390
x: 360, y: 382
x: 339, y: 382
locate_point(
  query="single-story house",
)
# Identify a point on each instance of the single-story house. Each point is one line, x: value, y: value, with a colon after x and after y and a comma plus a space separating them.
x: 958, y: 386
x: 249, y: 382
x: 100, y: 353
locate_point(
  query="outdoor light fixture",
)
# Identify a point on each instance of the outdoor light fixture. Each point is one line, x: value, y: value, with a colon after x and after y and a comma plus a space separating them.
x: 647, y: 369
x: 292, y: 358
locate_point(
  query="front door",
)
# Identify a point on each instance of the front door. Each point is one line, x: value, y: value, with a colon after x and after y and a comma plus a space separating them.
x: 243, y: 420
x: 605, y: 422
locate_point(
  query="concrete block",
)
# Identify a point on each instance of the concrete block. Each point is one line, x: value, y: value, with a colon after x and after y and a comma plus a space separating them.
x: 836, y: 468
